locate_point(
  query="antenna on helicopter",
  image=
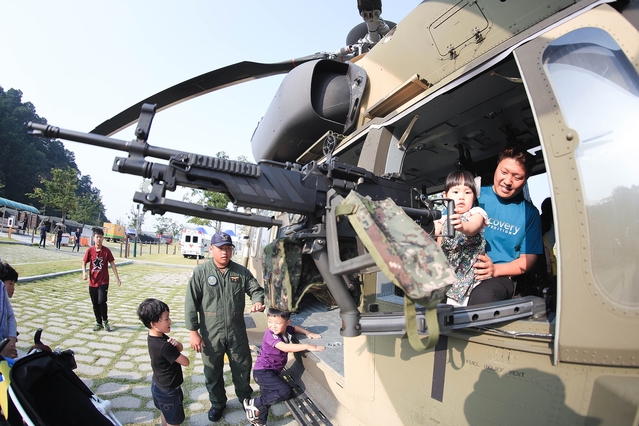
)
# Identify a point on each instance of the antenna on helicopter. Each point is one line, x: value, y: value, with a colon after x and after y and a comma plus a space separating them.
x: 371, y: 11
x: 364, y: 36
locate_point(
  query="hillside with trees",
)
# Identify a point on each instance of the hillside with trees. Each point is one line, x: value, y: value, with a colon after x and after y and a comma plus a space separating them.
x: 39, y: 171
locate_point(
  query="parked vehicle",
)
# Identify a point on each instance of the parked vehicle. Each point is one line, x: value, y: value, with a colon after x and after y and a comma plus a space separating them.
x: 194, y: 243
x: 113, y: 232
x: 165, y: 238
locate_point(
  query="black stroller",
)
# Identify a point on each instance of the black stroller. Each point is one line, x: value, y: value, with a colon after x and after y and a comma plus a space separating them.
x: 44, y: 391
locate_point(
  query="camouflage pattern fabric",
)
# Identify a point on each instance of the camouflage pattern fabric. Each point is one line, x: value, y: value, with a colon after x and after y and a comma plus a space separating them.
x: 289, y: 275
x: 406, y: 254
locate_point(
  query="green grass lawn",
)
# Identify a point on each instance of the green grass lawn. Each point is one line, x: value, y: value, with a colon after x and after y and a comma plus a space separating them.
x: 51, y: 261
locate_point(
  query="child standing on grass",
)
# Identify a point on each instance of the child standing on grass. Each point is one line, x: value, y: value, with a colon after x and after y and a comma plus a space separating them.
x: 166, y: 361
x: 468, y: 242
x: 99, y: 258
x: 276, y: 344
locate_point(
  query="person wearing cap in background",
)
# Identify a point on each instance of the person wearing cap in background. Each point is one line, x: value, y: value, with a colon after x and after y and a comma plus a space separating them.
x: 214, y: 315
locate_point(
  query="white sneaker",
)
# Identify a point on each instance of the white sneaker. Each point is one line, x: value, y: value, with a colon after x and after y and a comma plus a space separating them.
x: 252, y: 412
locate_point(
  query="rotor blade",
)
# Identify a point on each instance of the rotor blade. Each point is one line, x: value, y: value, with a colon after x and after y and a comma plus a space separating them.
x: 205, y: 83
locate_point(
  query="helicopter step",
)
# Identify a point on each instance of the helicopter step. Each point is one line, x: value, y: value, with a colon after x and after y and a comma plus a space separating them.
x: 300, y: 405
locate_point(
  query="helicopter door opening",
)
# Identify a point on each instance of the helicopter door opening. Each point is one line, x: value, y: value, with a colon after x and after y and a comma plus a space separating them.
x: 584, y: 86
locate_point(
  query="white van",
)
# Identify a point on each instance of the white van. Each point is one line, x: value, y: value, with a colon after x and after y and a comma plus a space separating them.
x: 194, y: 243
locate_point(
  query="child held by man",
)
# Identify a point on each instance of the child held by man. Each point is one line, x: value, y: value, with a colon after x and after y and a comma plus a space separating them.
x: 276, y: 344
x: 468, y: 243
x: 166, y: 361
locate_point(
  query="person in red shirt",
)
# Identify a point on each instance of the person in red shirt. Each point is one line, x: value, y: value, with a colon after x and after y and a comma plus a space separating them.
x: 99, y: 257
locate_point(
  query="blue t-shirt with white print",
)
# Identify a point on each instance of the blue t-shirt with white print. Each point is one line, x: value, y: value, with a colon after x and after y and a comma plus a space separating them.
x: 514, y: 229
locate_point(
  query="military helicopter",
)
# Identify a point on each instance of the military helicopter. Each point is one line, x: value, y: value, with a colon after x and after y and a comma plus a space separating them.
x: 390, y: 116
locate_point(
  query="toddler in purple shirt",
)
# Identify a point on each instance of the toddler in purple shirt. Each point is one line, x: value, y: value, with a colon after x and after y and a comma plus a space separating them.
x: 276, y: 344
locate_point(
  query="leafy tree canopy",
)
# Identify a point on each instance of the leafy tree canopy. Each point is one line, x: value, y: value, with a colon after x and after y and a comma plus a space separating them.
x: 88, y: 210
x: 59, y: 192
x: 165, y: 225
x: 26, y: 161
x: 136, y: 216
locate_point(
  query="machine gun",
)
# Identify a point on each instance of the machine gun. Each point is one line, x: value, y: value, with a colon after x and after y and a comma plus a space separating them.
x: 273, y: 186
x: 313, y: 190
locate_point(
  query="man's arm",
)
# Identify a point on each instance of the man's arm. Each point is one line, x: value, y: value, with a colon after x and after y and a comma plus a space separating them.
x: 485, y: 268
x: 115, y: 272
x: 255, y: 291
x: 196, y: 341
x: 192, y: 301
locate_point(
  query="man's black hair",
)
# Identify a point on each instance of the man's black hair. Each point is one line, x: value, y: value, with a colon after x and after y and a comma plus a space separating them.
x: 151, y: 310
x: 98, y: 231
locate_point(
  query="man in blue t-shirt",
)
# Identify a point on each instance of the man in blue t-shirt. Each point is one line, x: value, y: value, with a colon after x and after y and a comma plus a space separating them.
x: 513, y: 238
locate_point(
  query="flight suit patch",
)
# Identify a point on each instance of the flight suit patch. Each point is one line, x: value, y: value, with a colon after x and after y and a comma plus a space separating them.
x: 235, y: 279
x: 211, y: 280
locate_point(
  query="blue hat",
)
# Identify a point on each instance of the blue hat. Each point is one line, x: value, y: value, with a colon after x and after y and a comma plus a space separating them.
x: 221, y: 239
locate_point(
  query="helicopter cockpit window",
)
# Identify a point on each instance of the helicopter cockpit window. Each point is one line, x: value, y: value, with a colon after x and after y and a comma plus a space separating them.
x: 598, y: 91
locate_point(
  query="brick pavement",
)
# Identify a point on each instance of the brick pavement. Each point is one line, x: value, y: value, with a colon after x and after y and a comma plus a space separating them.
x: 116, y: 365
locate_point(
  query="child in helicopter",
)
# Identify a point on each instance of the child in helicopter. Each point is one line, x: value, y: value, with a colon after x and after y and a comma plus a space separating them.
x: 468, y: 242
x: 276, y: 344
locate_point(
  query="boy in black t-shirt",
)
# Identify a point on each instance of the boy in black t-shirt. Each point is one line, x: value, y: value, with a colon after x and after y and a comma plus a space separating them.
x: 166, y: 361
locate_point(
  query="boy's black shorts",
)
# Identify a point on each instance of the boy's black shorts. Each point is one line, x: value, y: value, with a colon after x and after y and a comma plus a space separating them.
x: 169, y: 402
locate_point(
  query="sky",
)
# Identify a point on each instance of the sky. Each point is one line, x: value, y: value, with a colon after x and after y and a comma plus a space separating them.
x: 82, y: 62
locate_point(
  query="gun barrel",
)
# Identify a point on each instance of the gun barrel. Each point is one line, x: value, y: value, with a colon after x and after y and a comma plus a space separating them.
x: 161, y: 205
x: 138, y: 147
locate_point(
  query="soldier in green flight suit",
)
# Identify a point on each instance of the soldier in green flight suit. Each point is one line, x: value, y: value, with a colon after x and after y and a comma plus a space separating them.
x: 214, y: 314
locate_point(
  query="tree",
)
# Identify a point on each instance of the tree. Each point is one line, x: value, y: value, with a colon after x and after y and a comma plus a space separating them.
x: 162, y: 225
x: 165, y: 225
x: 25, y: 159
x: 88, y: 191
x: 88, y: 210
x: 59, y: 192
x: 176, y: 229
x: 136, y: 217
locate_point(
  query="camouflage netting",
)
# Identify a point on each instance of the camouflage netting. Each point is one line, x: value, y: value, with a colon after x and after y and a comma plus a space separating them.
x: 406, y: 254
x: 289, y: 275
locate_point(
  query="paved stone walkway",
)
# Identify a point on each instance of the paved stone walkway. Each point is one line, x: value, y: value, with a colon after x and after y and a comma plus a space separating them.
x: 116, y: 365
